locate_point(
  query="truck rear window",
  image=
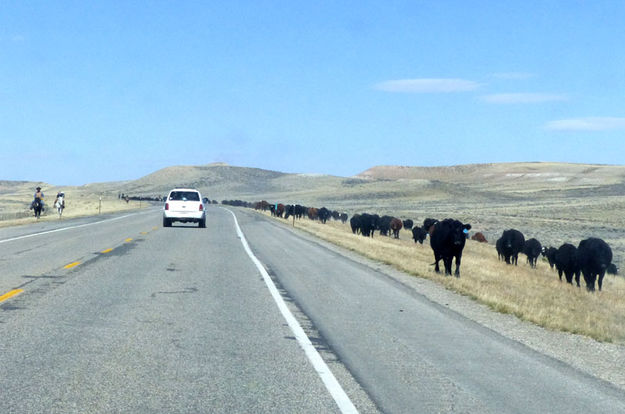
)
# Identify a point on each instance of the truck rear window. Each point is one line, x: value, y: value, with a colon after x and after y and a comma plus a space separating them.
x: 184, y: 196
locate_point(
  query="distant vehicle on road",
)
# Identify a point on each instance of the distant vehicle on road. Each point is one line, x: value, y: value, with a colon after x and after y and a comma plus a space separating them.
x: 184, y: 205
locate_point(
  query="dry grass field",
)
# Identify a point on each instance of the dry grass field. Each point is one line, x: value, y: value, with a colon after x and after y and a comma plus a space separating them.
x: 534, y: 295
x: 15, y: 199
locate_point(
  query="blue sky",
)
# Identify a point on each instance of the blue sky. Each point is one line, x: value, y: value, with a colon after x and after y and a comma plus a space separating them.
x: 115, y: 90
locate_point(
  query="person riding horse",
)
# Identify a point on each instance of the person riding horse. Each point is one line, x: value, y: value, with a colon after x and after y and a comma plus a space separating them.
x: 59, y: 202
x: 37, y: 203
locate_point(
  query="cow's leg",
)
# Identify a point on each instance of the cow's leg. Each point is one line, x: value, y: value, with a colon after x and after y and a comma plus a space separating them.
x: 457, y: 272
x: 600, y: 279
x: 447, y: 261
x: 436, y: 259
x: 590, y: 281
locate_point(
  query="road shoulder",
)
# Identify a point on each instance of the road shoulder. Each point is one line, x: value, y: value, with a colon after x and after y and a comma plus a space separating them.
x: 601, y: 360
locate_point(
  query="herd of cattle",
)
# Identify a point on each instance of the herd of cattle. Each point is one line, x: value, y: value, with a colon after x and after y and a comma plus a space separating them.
x: 592, y: 257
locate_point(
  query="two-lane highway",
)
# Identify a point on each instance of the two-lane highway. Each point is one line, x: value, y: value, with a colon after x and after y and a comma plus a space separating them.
x: 181, y: 320
x: 176, y: 320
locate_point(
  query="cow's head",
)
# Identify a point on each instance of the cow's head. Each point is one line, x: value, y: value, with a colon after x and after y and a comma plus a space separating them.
x: 460, y: 232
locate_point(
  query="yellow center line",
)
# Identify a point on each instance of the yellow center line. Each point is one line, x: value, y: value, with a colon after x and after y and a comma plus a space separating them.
x: 128, y: 240
x: 10, y: 294
x: 69, y: 266
x: 107, y: 250
x: 144, y: 232
x: 155, y: 228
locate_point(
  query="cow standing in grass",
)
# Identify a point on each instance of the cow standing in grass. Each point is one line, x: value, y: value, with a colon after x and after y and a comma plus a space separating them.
x: 550, y: 254
x: 313, y: 213
x: 512, y: 243
x: 354, y: 223
x: 594, y: 256
x: 499, y: 247
x: 447, y: 239
x: 368, y: 224
x: 419, y: 235
x: 323, y: 214
x: 566, y: 262
x: 396, y: 226
x: 384, y: 225
x: 532, y: 250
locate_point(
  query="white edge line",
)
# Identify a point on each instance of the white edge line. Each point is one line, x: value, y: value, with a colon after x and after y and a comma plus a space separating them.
x: 66, y: 228
x: 329, y: 380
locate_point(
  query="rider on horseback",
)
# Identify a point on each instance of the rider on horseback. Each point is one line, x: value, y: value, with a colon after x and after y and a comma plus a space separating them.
x: 38, y: 196
x: 60, y: 198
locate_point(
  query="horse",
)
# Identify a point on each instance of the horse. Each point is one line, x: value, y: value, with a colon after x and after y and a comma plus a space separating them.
x: 60, y: 205
x: 37, y: 207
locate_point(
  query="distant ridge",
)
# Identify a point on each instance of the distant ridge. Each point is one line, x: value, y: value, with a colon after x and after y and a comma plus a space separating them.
x: 546, y: 172
x: 220, y: 181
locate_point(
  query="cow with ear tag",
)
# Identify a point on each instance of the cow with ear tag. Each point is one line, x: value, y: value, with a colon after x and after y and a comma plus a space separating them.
x: 447, y: 240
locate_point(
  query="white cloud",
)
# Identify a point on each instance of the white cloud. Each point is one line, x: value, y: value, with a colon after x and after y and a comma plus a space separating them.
x: 522, y: 98
x: 427, y: 85
x: 587, y: 124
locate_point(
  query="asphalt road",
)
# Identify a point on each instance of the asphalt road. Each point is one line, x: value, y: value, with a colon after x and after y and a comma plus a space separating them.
x: 148, y: 319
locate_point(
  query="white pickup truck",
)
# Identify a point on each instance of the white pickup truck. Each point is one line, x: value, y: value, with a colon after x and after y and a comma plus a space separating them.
x: 184, y: 205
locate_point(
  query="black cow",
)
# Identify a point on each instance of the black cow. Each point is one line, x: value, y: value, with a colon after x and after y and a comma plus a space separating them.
x: 499, y: 247
x: 532, y: 250
x: 512, y: 243
x: 289, y: 210
x: 566, y: 262
x: 354, y: 222
x: 447, y: 239
x: 384, y: 225
x: 343, y: 217
x: 368, y: 224
x: 408, y: 224
x: 550, y: 254
x: 594, y: 256
x: 300, y: 211
x: 418, y: 234
x: 323, y: 214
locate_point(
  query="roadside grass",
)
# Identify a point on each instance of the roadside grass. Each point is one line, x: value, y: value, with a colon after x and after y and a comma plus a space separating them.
x: 534, y: 295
